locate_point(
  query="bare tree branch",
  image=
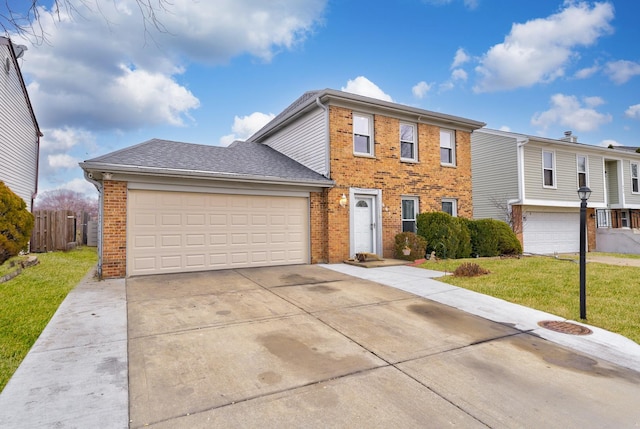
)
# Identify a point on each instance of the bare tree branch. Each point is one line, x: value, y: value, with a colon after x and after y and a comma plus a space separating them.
x: 501, y: 203
x: 25, y: 20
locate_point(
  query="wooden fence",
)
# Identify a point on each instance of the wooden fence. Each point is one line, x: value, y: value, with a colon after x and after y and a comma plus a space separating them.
x: 53, y: 230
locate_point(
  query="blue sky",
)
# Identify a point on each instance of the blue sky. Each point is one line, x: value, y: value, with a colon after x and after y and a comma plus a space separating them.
x: 223, y: 68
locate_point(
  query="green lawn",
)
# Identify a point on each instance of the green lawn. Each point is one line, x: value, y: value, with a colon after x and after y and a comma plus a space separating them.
x: 28, y: 301
x: 553, y: 285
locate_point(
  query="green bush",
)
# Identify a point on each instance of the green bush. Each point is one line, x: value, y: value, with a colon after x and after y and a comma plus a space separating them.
x: 508, y: 243
x: 16, y: 224
x: 491, y: 237
x: 412, y: 241
x: 447, y: 236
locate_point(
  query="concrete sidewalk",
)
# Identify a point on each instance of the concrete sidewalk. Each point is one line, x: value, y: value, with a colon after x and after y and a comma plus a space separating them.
x: 76, y: 375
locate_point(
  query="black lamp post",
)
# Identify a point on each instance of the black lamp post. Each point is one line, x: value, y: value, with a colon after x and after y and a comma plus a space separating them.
x: 584, y: 193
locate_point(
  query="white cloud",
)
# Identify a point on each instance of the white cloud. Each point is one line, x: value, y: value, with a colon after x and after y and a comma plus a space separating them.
x: 459, y: 74
x: 363, y: 86
x: 446, y: 86
x: 539, y: 50
x: 633, y: 111
x: 621, y: 71
x: 586, y: 72
x: 460, y: 58
x: 505, y: 128
x: 62, y: 139
x: 593, y: 101
x: 104, y: 69
x: 421, y: 89
x: 568, y: 111
x: 62, y: 160
x: 245, y: 126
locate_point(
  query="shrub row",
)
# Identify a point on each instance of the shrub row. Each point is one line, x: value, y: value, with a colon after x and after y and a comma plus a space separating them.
x: 16, y: 223
x: 456, y: 237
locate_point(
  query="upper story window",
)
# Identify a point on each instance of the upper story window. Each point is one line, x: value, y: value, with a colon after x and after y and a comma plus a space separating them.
x: 583, y: 163
x: 409, y: 214
x: 362, y: 134
x: 450, y: 205
x: 548, y: 169
x: 634, y: 178
x: 408, y: 147
x: 448, y: 147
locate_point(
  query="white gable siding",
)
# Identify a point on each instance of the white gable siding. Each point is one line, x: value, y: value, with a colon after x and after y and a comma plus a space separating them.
x: 494, y: 173
x: 18, y: 134
x: 304, y: 141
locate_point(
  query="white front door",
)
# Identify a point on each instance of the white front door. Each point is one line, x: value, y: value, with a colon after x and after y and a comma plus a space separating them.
x: 364, y: 224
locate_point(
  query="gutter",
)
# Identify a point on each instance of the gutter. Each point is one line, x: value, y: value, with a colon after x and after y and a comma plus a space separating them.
x: 191, y: 174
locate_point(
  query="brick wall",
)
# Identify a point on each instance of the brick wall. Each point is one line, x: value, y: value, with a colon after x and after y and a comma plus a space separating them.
x: 114, y: 229
x: 318, y: 227
x: 427, y: 179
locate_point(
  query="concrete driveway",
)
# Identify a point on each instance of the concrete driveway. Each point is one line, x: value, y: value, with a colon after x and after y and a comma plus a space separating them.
x: 304, y: 346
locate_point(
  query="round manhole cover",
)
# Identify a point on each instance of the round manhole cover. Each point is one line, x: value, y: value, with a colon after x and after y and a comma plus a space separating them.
x: 565, y: 327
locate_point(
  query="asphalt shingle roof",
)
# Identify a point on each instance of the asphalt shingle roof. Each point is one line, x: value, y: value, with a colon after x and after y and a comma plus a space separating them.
x: 238, y: 159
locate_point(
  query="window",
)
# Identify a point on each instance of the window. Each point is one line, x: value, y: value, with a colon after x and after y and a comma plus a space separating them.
x: 624, y: 219
x: 548, y: 170
x: 448, y: 147
x: 408, y: 142
x: 634, y: 178
x: 409, y: 214
x: 362, y: 141
x: 582, y: 171
x: 450, y: 205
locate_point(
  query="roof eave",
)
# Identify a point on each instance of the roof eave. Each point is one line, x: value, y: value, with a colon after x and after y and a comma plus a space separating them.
x: 102, y: 168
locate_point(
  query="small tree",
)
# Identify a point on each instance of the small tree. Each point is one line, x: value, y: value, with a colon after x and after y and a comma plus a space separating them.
x: 446, y: 235
x: 16, y: 223
x: 66, y: 199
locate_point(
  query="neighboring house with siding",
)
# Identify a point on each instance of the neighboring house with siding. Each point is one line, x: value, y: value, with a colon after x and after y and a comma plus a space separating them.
x: 533, y: 181
x: 19, y: 131
x: 334, y: 174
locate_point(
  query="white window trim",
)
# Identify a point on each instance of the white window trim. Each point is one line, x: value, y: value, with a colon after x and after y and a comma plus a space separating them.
x: 555, y: 182
x: 415, y: 142
x: 586, y: 167
x: 636, y: 178
x: 454, y: 205
x: 416, y: 209
x: 453, y: 147
x: 371, y: 152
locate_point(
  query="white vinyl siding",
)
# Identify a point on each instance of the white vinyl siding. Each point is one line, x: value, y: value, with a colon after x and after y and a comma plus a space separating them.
x: 304, y: 141
x: 18, y: 134
x: 170, y: 232
x: 566, y: 181
x: 612, y: 182
x: 494, y: 174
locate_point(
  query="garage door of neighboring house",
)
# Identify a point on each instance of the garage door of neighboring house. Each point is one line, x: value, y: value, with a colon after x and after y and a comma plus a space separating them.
x: 179, y: 231
x: 550, y: 232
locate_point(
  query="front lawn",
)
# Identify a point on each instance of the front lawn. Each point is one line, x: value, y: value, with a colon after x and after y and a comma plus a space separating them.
x: 28, y: 301
x: 553, y: 285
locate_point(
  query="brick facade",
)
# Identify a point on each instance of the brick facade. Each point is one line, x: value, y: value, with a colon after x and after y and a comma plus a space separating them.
x: 426, y: 179
x: 114, y: 229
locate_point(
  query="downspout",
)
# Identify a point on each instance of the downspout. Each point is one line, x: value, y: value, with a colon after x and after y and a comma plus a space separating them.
x: 35, y: 187
x: 327, y: 143
x: 98, y: 185
x: 520, y: 162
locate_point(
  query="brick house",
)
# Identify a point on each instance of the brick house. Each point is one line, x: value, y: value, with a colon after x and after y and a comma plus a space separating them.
x: 333, y: 174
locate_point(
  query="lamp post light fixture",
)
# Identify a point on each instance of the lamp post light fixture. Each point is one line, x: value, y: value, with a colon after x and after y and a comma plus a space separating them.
x: 584, y: 193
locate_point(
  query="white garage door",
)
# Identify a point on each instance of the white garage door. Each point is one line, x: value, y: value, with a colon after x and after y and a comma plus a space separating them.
x: 178, y: 231
x: 550, y: 232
